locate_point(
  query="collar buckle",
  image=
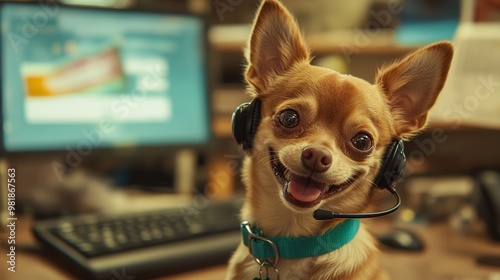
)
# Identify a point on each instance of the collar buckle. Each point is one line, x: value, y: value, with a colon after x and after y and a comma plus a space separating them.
x: 251, y: 238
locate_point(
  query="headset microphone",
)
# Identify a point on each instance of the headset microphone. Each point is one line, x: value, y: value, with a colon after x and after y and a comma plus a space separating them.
x: 327, y: 215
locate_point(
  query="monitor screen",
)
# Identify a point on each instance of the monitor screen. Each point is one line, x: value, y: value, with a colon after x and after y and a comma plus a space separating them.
x: 73, y: 77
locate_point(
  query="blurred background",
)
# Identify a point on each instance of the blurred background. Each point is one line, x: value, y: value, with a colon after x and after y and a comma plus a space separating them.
x: 120, y: 107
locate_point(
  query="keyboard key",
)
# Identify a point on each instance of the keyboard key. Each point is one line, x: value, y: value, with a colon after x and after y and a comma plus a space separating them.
x: 107, y: 235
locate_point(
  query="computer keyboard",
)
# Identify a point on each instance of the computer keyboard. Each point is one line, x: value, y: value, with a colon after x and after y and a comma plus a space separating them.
x: 145, y: 244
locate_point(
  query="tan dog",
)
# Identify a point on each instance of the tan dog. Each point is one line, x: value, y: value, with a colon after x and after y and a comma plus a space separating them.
x: 319, y: 144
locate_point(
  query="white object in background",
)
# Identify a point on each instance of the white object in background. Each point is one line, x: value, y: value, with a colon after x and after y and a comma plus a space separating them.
x: 471, y: 95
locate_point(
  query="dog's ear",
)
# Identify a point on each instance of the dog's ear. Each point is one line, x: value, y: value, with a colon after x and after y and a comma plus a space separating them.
x: 413, y: 84
x: 275, y: 45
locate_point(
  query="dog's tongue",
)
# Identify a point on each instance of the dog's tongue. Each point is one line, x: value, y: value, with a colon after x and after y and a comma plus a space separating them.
x: 304, y: 189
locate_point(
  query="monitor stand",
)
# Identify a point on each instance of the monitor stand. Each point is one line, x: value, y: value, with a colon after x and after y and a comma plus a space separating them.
x: 185, y: 171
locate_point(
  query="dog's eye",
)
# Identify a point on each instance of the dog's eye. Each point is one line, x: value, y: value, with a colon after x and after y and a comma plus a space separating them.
x: 362, y: 142
x: 289, y: 118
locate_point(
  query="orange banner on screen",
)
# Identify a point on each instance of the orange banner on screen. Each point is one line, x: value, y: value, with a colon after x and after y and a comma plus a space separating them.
x: 77, y: 76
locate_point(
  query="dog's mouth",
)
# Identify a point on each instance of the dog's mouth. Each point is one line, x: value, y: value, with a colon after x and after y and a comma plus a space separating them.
x: 304, y: 191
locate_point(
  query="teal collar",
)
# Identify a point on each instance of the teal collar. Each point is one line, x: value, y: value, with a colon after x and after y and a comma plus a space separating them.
x: 291, y: 247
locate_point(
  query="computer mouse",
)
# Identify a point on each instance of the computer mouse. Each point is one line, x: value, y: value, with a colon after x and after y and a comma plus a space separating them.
x: 402, y: 239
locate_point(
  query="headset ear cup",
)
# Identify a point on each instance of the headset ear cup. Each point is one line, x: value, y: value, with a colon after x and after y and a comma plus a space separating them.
x: 253, y: 121
x: 245, y: 121
x: 392, y: 167
x: 238, y: 123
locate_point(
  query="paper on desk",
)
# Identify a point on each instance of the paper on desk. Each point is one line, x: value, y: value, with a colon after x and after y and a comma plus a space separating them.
x: 471, y: 96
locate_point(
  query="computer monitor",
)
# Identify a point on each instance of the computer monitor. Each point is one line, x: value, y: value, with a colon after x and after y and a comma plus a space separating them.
x: 83, y: 78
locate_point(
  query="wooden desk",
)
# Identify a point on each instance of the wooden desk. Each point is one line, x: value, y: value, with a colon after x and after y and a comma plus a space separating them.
x: 448, y: 256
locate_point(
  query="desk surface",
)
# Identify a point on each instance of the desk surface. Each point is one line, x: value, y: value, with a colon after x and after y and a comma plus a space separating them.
x: 448, y: 256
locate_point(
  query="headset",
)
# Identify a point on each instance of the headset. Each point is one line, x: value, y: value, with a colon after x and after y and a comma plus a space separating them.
x: 246, y: 119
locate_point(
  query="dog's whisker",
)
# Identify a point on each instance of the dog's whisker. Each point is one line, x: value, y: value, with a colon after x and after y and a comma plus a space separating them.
x: 263, y: 160
x: 267, y: 157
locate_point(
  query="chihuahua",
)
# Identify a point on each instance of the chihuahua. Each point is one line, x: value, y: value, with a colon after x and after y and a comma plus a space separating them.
x: 317, y: 139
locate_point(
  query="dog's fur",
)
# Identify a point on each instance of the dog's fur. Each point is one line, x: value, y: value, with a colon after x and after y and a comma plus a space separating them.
x: 332, y: 109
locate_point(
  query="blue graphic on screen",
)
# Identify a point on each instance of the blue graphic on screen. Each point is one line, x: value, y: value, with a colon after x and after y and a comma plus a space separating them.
x: 72, y: 76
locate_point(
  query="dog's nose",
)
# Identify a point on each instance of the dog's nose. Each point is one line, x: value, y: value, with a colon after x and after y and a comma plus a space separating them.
x: 316, y: 159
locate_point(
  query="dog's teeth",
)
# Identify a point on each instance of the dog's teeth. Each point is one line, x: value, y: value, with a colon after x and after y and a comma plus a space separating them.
x: 329, y: 189
x: 276, y: 171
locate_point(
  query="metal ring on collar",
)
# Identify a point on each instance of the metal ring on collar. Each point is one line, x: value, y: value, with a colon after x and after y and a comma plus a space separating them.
x: 265, y: 262
x: 263, y: 265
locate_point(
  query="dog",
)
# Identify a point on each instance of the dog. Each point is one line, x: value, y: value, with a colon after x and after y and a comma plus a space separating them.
x: 315, y: 138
